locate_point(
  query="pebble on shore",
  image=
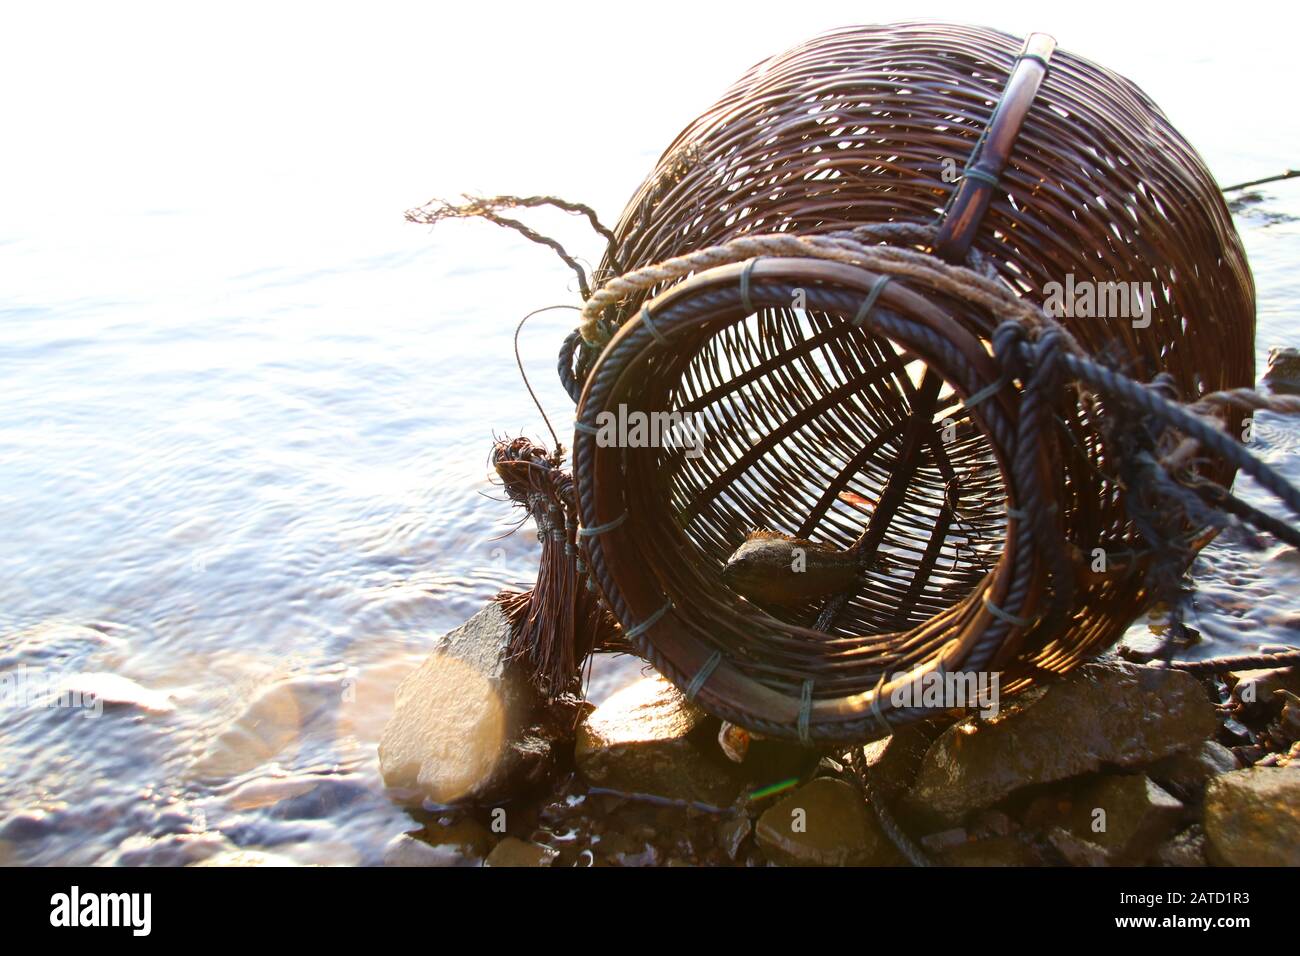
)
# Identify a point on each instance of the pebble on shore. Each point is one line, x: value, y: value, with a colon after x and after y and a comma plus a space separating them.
x: 1115, y: 764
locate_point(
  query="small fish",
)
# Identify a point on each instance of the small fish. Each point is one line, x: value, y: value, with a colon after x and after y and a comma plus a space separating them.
x: 777, y: 569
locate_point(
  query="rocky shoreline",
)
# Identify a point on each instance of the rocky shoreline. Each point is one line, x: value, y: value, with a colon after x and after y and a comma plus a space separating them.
x: 1118, y: 764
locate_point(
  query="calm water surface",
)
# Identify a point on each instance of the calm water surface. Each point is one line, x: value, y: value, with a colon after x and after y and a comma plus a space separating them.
x: 243, y: 453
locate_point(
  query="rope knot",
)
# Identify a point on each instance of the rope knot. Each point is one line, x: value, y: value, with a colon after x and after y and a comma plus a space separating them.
x: 1009, y: 341
x: 1051, y: 344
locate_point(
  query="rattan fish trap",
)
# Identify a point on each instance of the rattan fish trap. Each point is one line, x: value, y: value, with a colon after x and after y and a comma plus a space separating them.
x: 819, y: 276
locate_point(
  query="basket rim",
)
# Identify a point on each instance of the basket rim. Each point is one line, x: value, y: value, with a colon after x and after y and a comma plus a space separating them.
x: 620, y: 568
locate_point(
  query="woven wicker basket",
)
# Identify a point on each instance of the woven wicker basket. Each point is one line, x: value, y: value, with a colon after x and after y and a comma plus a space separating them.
x: 798, y: 404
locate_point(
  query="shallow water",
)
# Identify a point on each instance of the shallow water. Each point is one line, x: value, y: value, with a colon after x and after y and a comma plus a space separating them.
x: 247, y: 413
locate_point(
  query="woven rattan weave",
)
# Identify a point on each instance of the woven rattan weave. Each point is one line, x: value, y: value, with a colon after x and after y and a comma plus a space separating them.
x: 815, y: 385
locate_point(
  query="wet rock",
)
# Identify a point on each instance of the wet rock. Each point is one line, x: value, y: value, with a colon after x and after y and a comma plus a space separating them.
x: 1185, y: 849
x: 985, y: 824
x: 174, y: 849
x: 30, y: 823
x: 1139, y: 646
x: 1127, y: 816
x: 1283, y: 373
x: 513, y: 851
x: 56, y: 645
x: 992, y: 851
x: 1103, y: 714
x: 470, y: 836
x: 732, y: 834
x: 114, y: 691
x: 533, y: 753
x: 268, y: 791
x: 1288, y: 724
x: 324, y: 852
x: 824, y: 823
x: 1257, y: 689
x: 894, y: 761
x: 639, y: 741
x: 1076, y: 851
x: 407, y: 849
x: 1185, y: 774
x: 458, y: 716
x: 945, y: 839
x: 1252, y: 817
x: 1291, y: 758
x: 329, y: 796
x: 262, y: 831
x: 275, y: 721
x: 619, y: 850
x: 1047, y: 810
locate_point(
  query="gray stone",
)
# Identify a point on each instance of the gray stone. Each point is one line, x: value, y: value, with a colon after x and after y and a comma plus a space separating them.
x: 1184, y: 849
x: 1075, y: 850
x: 173, y: 849
x: 468, y: 835
x: 278, y: 718
x: 732, y: 834
x: 513, y: 851
x: 1252, y: 817
x: 638, y: 741
x: 894, y: 761
x: 1049, y: 809
x: 984, y: 824
x: 332, y: 795
x: 463, y: 842
x: 992, y: 851
x: 1185, y: 774
x: 1127, y: 816
x: 1114, y: 714
x: 458, y: 717
x: 29, y: 823
x: 945, y: 839
x: 824, y: 823
x: 1257, y: 689
x: 115, y: 691
x: 405, y: 849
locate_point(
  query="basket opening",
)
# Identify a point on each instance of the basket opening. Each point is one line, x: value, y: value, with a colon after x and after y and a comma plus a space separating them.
x: 802, y: 426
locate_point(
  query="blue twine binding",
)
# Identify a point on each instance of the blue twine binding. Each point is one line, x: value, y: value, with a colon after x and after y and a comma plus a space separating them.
x: 648, y: 321
x: 805, y: 713
x: 649, y: 622
x: 744, y: 285
x: 869, y: 302
x: 704, y: 673
x: 602, y: 528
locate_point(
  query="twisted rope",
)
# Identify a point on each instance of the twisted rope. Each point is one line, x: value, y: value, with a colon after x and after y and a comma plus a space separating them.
x: 488, y: 208
x: 909, y: 848
x: 1246, y: 399
x: 1237, y: 662
x: 852, y: 247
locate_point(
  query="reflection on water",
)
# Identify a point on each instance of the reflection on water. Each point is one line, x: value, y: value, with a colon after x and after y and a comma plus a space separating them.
x: 240, y: 500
